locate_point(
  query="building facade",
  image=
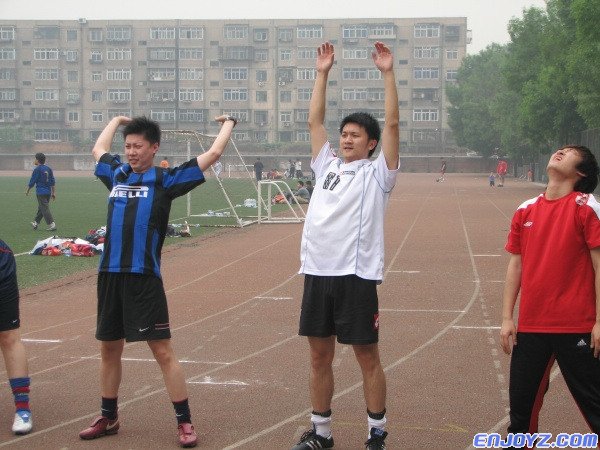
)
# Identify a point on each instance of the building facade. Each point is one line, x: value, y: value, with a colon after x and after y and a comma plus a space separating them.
x: 61, y: 81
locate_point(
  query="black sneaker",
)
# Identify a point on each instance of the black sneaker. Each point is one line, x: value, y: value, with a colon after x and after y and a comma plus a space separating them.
x: 377, y: 440
x: 310, y: 440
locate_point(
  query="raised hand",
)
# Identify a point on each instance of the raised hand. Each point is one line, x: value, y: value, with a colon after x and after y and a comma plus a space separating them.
x: 325, y: 56
x: 382, y: 57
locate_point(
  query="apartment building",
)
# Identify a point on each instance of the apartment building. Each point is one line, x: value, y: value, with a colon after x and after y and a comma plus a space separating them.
x: 63, y: 80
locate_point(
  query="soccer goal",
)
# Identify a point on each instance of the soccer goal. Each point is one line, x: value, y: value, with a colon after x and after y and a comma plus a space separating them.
x: 280, y: 203
x: 226, y: 199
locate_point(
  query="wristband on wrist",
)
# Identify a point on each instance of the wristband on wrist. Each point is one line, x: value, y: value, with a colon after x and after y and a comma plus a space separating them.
x: 233, y: 119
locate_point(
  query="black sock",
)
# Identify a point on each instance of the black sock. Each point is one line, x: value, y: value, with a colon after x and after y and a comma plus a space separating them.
x: 109, y: 408
x: 376, y: 416
x: 182, y: 411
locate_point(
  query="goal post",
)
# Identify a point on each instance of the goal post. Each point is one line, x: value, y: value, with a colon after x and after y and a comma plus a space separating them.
x: 221, y: 201
x: 286, y: 212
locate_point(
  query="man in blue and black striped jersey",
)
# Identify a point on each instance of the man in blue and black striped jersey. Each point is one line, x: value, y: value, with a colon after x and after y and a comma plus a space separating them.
x: 132, y: 304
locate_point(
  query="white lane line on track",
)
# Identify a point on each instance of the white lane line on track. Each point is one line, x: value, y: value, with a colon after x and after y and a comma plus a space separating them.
x: 209, y: 380
x: 404, y: 358
x: 152, y: 360
x: 274, y: 298
x: 468, y: 327
x: 43, y: 341
x: 422, y: 310
x: 163, y: 389
x: 404, y: 271
x: 477, y: 256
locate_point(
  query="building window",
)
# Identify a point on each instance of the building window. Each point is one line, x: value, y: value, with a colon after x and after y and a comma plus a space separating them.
x: 233, y: 95
x: 95, y: 35
x: 191, y: 53
x: 162, y: 33
x: 163, y: 115
x: 426, y: 73
x: 191, y: 74
x: 191, y: 115
x: 46, y: 74
x: 7, y: 73
x: 304, y: 94
x: 375, y: 94
x: 374, y: 74
x: 302, y: 115
x: 451, y: 75
x: 8, y: 54
x: 427, y: 30
x: 96, y: 96
x: 47, y: 135
x: 352, y: 94
x: 118, y: 74
x: 41, y: 54
x: 452, y: 54
x: 73, y: 76
x: 96, y: 76
x: 191, y: 33
x: 285, y: 96
x: 355, y: 53
x: 285, y: 55
x: 71, y: 35
x: 354, y: 31
x: 162, y: 95
x: 7, y: 33
x: 72, y: 97
x: 46, y: 95
x: 118, y: 33
x: 46, y: 115
x: 306, y: 74
x: 191, y: 95
x: 261, y: 136
x: 452, y: 33
x: 261, y: 96
x: 425, y: 94
x: 260, y: 118
x: 97, y: 116
x: 71, y: 55
x: 285, y: 116
x: 307, y: 53
x: 235, y: 31
x: 261, y: 75
x: 161, y: 54
x: 118, y: 54
x: 425, y: 115
x: 381, y: 31
x: 354, y: 74
x: 235, y: 73
x: 8, y: 94
x: 303, y: 136
x: 426, y: 52
x: 240, y: 114
x: 261, y: 54
x: 309, y: 32
x: 261, y: 35
x: 96, y: 57
x: 285, y: 34
x: 73, y: 116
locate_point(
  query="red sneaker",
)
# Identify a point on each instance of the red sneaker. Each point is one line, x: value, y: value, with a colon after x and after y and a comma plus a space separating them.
x: 100, y: 426
x: 187, y: 435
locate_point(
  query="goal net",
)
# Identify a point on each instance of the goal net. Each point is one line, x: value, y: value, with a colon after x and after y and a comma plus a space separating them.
x: 228, y: 197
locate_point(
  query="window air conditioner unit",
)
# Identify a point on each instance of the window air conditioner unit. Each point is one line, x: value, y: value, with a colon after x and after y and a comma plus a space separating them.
x: 286, y: 124
x: 282, y: 83
x: 82, y: 21
x: 261, y: 83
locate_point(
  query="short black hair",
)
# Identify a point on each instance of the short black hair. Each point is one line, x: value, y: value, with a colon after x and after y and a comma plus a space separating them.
x: 368, y: 122
x: 588, y: 167
x: 301, y: 183
x: 144, y: 126
x: 40, y: 157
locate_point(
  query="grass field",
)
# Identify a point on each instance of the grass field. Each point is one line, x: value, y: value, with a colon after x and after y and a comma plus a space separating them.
x: 81, y: 205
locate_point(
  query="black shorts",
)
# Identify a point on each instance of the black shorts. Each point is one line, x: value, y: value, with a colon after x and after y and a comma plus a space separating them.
x: 131, y: 306
x: 346, y: 306
x: 9, y: 290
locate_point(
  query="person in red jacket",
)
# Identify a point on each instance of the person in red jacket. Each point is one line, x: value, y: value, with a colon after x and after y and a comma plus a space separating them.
x: 554, y: 246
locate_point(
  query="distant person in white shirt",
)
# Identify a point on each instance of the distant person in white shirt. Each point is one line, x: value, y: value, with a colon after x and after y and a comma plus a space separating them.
x: 342, y: 248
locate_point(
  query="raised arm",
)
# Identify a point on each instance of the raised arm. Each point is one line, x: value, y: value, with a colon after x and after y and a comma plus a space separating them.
x: 316, y: 112
x: 212, y: 155
x: 390, y: 136
x: 105, y: 139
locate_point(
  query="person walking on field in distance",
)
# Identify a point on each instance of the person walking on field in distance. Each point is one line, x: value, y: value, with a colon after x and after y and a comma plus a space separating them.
x: 442, y: 171
x: 42, y: 178
x: 258, y: 169
x: 132, y: 305
x: 13, y: 350
x: 342, y: 248
x: 554, y: 246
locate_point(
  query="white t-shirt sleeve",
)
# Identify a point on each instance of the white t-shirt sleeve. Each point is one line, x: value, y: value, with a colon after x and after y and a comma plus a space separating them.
x: 321, y: 163
x: 385, y: 176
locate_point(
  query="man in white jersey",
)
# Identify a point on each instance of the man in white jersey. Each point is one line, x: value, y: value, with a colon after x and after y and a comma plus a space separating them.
x: 342, y: 248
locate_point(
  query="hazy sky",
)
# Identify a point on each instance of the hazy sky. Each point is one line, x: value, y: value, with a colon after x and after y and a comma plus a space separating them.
x: 487, y: 18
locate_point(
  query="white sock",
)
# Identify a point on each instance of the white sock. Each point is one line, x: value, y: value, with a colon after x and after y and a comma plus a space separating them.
x: 374, y: 423
x: 322, y: 425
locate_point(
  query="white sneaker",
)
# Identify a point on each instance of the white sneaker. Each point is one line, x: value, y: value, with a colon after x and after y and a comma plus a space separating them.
x: 34, y: 225
x: 23, y: 422
x: 51, y: 227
